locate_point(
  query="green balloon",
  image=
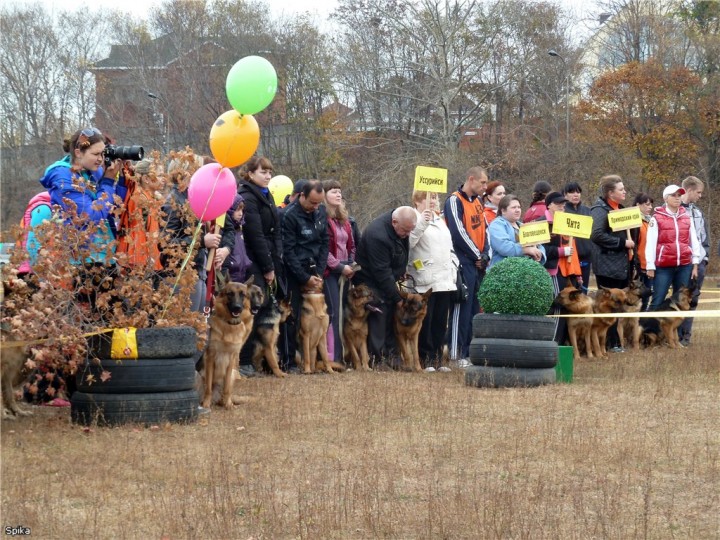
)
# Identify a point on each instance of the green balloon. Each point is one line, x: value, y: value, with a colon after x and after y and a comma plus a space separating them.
x: 251, y: 84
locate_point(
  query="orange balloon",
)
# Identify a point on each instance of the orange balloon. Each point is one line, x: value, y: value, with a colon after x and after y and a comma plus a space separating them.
x: 234, y: 138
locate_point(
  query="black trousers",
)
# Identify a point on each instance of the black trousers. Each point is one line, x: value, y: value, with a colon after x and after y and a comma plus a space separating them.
x: 434, y: 328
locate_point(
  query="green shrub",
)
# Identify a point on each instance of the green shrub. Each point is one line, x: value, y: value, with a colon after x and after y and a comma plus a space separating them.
x: 516, y: 285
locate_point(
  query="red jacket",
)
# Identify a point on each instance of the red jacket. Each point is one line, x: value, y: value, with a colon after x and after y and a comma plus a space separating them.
x: 673, y: 245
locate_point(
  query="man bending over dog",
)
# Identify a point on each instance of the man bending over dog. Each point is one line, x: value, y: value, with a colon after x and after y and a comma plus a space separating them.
x: 383, y: 258
x: 305, y: 248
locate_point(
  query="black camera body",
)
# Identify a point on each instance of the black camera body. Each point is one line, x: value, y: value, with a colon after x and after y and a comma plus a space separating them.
x: 131, y: 153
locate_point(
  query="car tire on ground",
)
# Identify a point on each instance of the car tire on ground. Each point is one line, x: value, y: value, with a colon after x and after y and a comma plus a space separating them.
x: 156, y: 342
x: 144, y: 375
x: 502, y: 326
x: 117, y: 409
x: 501, y: 377
x: 513, y: 353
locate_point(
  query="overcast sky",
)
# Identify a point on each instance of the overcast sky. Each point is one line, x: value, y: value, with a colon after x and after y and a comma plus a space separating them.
x: 138, y: 8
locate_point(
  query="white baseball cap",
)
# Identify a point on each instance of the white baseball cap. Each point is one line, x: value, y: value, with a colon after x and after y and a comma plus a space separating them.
x: 672, y: 189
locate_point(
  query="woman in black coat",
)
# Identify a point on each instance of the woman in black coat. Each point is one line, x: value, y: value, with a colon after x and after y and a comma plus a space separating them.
x: 263, y: 234
x: 611, y: 261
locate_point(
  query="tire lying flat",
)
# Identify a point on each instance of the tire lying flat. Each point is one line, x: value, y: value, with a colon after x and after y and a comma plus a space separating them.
x: 144, y: 375
x: 156, y: 342
x: 513, y: 353
x: 502, y: 377
x: 502, y: 326
x: 117, y: 409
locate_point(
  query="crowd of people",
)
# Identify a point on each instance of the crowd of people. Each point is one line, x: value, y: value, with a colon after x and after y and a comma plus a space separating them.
x: 310, y: 239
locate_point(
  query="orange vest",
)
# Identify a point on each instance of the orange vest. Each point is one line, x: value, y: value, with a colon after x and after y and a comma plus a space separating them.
x: 642, y: 241
x: 490, y: 214
x: 139, y: 234
x: 473, y: 219
x: 571, y: 267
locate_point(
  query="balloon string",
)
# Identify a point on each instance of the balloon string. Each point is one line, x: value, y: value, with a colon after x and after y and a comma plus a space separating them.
x: 182, y: 268
x: 192, y: 243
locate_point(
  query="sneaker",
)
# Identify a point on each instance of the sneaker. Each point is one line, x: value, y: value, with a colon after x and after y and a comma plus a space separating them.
x: 248, y: 370
x: 685, y: 342
x: 429, y: 369
x: 464, y: 363
x: 616, y: 350
x: 444, y: 369
x: 203, y: 410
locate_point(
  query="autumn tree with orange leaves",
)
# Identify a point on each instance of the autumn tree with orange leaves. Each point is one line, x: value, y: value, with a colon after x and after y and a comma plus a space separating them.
x: 646, y: 109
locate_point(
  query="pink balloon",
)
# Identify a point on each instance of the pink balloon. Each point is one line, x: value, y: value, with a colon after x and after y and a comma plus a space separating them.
x: 211, y: 191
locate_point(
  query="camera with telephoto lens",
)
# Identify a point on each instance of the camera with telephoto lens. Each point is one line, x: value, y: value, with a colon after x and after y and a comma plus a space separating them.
x: 132, y: 153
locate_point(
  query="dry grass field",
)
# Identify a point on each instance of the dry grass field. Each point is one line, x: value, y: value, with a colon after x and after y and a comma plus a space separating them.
x: 631, y: 449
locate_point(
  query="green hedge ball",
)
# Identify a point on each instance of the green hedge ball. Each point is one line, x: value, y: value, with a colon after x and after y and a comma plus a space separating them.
x: 518, y: 286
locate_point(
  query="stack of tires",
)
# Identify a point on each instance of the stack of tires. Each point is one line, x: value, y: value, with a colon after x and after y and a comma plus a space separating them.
x: 157, y: 387
x: 512, y: 351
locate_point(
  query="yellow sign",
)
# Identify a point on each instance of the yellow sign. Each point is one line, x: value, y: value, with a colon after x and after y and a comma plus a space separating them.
x: 572, y: 225
x: 536, y: 232
x: 430, y: 179
x: 124, y: 344
x: 627, y: 218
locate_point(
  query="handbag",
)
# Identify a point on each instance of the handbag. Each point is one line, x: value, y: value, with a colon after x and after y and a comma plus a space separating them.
x: 461, y: 290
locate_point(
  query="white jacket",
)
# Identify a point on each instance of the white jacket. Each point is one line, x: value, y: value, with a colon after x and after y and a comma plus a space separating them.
x: 432, y: 261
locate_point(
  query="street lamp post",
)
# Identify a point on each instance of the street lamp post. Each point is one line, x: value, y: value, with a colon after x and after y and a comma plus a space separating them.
x: 165, y: 125
x: 554, y: 53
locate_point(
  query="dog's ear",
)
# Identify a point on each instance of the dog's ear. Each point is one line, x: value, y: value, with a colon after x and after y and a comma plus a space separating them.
x: 250, y: 280
x: 426, y: 294
x: 403, y: 293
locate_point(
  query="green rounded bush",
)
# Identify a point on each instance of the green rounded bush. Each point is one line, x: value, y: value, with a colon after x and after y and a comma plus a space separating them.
x: 518, y: 286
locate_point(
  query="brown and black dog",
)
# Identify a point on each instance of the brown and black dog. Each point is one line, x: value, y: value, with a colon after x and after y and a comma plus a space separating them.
x: 656, y: 328
x: 265, y: 334
x: 313, y: 329
x: 360, y: 302
x: 630, y: 326
x: 605, y: 301
x: 408, y: 320
x: 579, y: 328
x: 230, y: 325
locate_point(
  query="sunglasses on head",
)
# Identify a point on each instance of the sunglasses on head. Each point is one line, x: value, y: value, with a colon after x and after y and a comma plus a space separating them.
x: 89, y: 132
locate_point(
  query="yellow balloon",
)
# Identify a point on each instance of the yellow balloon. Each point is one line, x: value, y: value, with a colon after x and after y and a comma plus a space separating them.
x: 234, y: 138
x: 280, y: 186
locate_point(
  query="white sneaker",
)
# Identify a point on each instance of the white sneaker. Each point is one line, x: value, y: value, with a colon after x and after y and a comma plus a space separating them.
x: 464, y: 363
x: 429, y: 369
x: 444, y: 369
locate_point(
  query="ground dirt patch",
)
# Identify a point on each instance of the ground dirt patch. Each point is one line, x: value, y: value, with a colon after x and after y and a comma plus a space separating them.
x: 629, y: 450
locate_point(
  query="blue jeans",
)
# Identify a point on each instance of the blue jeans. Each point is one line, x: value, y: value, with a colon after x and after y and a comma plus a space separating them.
x: 677, y: 276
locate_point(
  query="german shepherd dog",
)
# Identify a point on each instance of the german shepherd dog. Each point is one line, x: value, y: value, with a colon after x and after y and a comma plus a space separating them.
x: 265, y: 333
x: 230, y: 326
x: 355, y: 326
x: 630, y: 326
x: 577, y: 303
x: 13, y: 373
x: 313, y: 328
x: 408, y: 320
x: 654, y: 329
x: 606, y: 301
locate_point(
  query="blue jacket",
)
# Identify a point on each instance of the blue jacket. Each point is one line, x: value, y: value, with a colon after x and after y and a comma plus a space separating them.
x: 84, y: 189
x: 503, y: 242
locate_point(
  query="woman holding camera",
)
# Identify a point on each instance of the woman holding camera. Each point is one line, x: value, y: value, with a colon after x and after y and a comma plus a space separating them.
x: 83, y: 186
x: 83, y: 182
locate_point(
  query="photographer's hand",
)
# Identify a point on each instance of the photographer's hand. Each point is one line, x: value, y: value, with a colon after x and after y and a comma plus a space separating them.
x: 113, y: 169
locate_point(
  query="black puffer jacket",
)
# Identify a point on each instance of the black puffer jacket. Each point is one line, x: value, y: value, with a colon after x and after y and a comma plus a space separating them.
x: 383, y: 258
x: 263, y: 235
x: 610, y: 257
x: 305, y: 239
